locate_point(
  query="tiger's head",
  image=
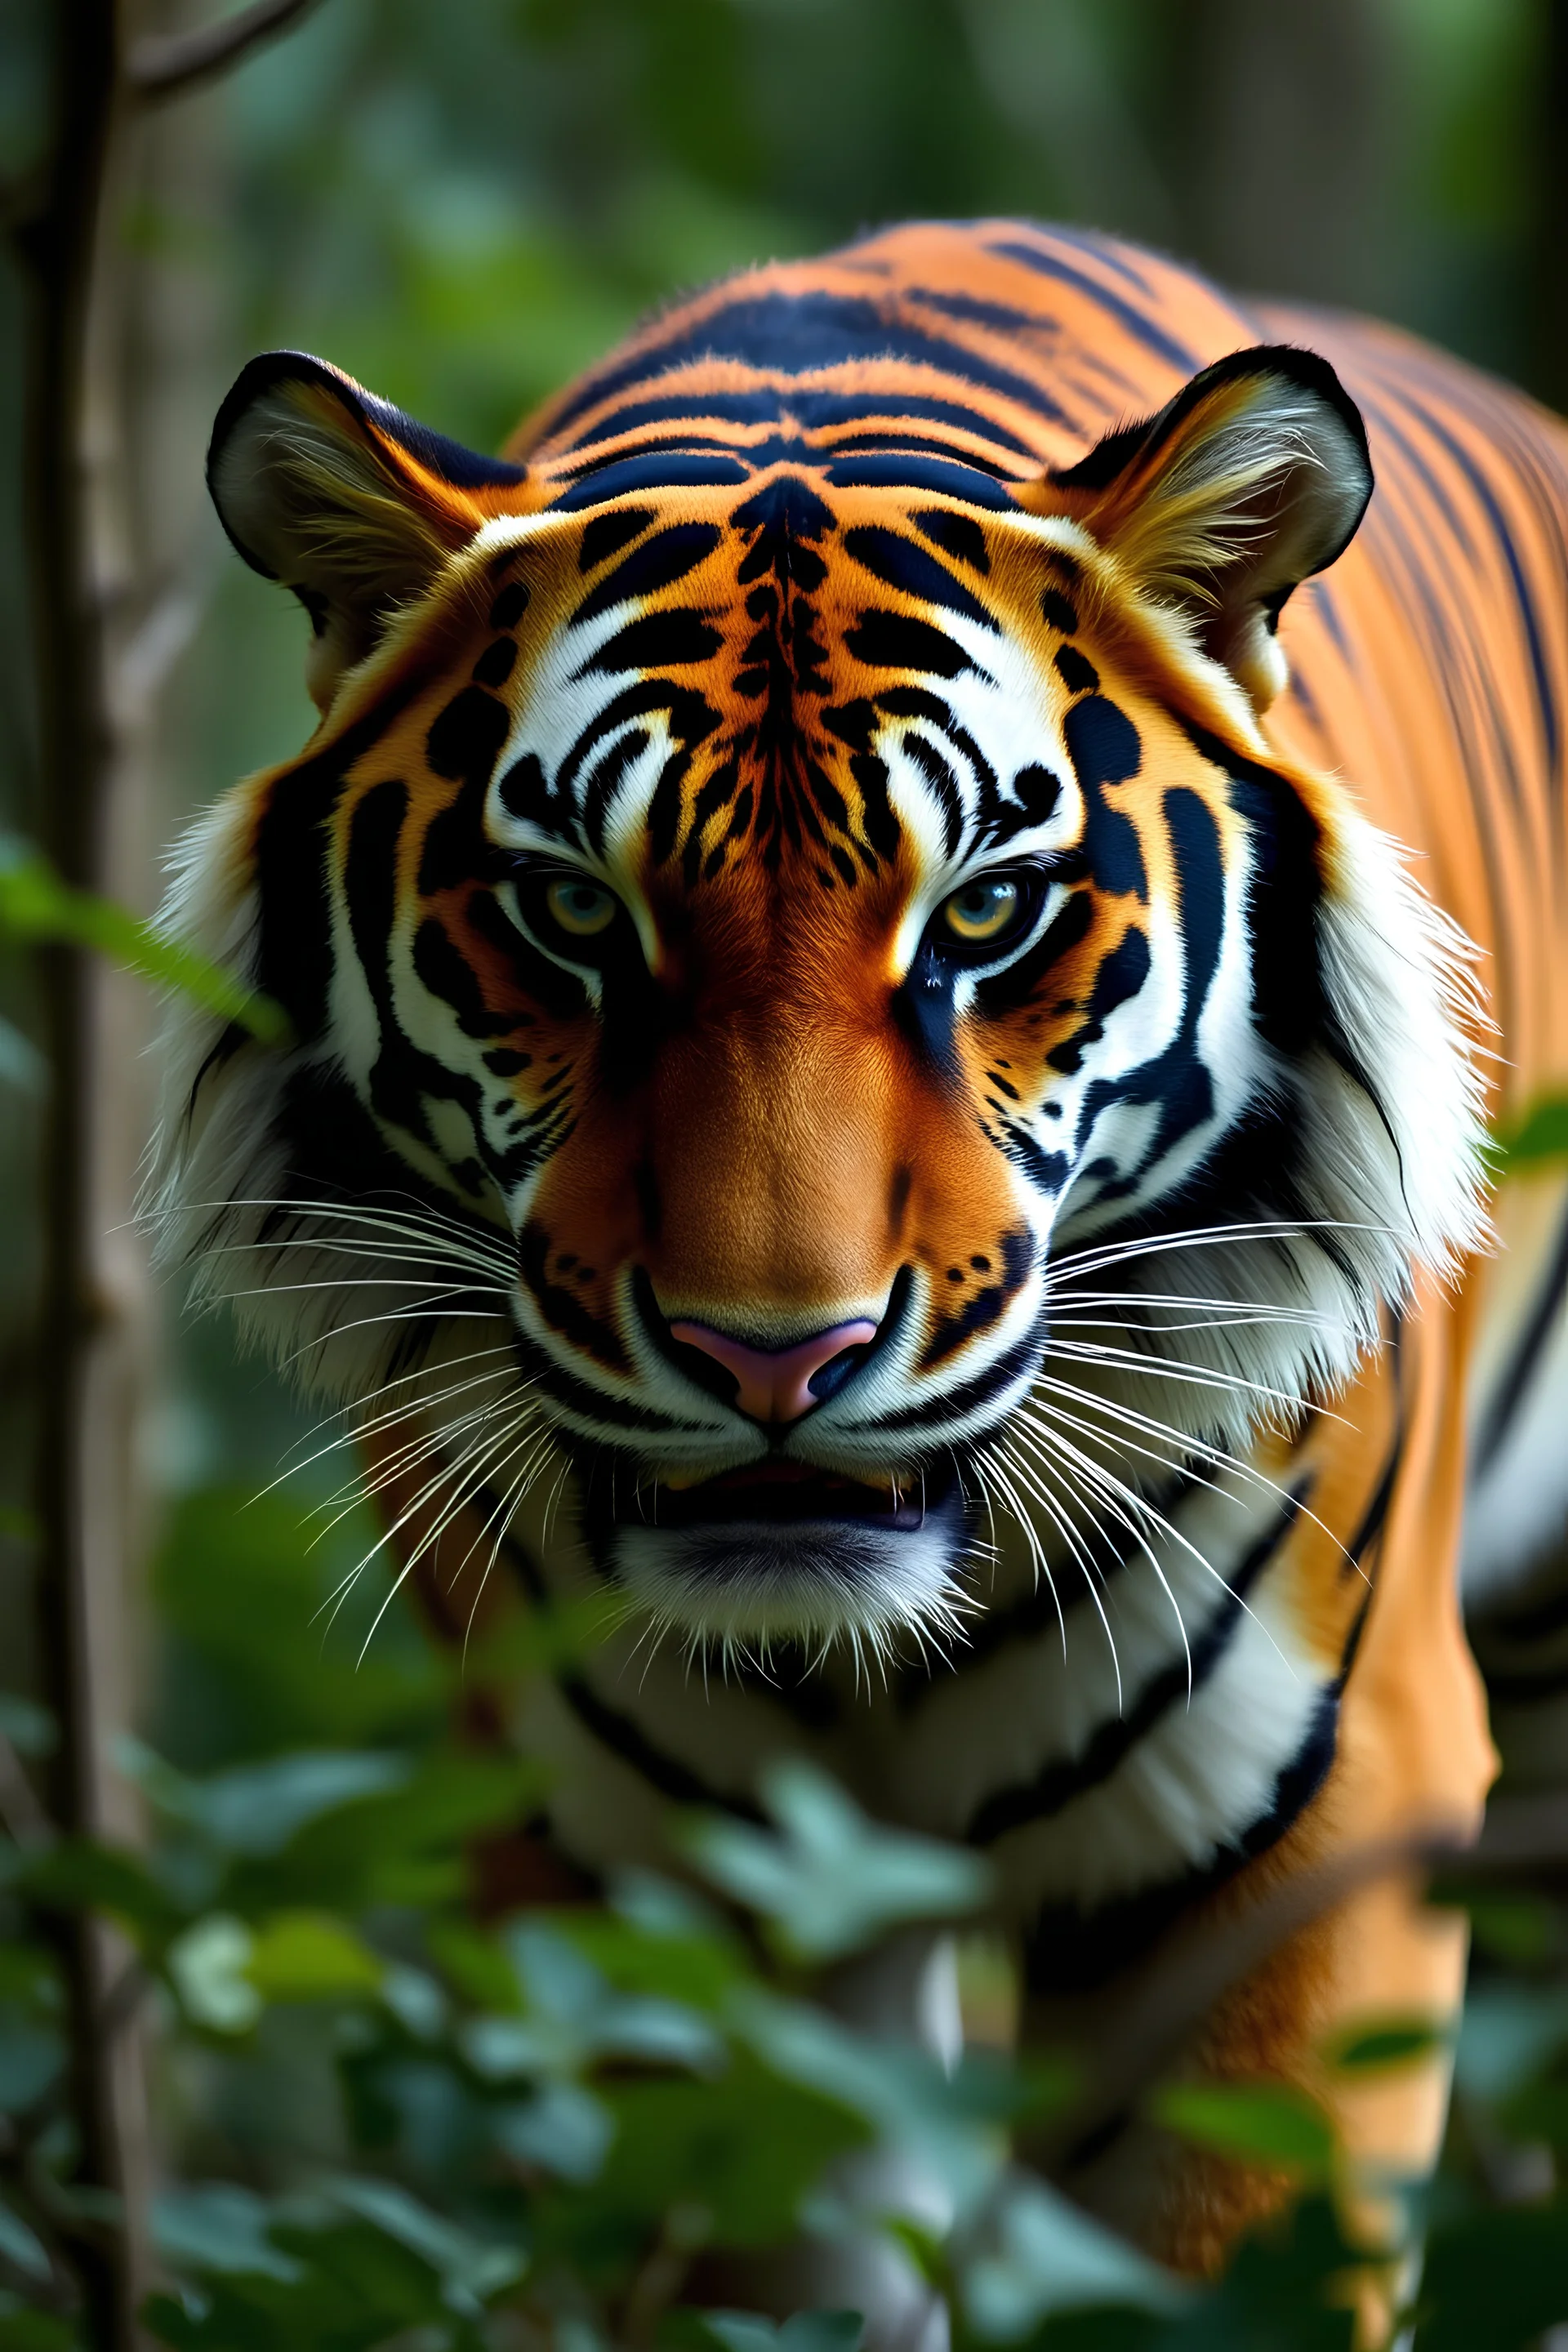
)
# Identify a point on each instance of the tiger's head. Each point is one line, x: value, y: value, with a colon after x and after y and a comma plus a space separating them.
x: 817, y: 1007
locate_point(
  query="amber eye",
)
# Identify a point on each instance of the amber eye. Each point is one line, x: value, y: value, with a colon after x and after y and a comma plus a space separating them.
x: 579, y: 906
x: 984, y: 912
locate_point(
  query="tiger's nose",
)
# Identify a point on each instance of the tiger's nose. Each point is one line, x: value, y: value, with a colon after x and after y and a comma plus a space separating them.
x: 774, y: 1385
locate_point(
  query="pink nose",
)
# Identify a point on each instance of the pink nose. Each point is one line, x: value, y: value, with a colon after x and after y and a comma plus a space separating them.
x: 774, y: 1387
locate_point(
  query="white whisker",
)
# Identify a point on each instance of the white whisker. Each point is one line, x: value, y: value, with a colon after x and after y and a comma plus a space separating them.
x: 1094, y: 1474
x: 1057, y: 1511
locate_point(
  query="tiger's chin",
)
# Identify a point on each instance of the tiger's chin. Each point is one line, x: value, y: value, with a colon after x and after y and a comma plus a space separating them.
x: 780, y: 1552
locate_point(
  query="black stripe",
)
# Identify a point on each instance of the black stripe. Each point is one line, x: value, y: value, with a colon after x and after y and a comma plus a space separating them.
x: 1059, y: 1782
x: 1100, y: 248
x: 795, y: 335
x: 944, y: 477
x: 897, y: 641
x: 1070, y: 1952
x: 1138, y: 324
x: 1376, y: 1513
x: 816, y: 413
x: 677, y: 639
x: 664, y: 1772
x: 295, y: 960
x: 1486, y: 498
x: 654, y: 565
x: 821, y: 411
x: 614, y: 1730
x: 999, y: 1629
x: 892, y: 557
x: 660, y: 470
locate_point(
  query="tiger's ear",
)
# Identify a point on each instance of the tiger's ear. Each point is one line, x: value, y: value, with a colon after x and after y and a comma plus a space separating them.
x: 344, y: 498
x: 1253, y: 477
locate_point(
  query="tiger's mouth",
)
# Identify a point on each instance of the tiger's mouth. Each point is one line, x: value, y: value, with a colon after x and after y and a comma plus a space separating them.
x: 778, y: 1494
x: 781, y: 1548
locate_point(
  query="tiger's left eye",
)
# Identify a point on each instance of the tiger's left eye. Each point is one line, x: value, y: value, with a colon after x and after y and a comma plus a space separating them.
x: 984, y: 912
x: 579, y: 907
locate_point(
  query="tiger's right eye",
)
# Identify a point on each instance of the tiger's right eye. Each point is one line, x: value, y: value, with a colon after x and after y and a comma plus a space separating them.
x: 984, y: 912
x: 580, y: 908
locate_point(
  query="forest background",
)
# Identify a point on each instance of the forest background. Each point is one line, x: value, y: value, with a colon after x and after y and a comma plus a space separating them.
x: 257, y: 2061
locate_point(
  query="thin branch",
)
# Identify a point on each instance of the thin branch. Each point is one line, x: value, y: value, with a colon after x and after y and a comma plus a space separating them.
x: 79, y: 1560
x: 25, y: 1820
x: 163, y: 65
x: 682, y: 2233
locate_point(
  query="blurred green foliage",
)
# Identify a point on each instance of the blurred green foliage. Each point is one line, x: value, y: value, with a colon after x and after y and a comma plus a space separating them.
x: 394, y: 2124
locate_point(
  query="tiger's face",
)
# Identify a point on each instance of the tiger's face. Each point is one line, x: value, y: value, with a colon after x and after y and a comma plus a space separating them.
x: 803, y: 933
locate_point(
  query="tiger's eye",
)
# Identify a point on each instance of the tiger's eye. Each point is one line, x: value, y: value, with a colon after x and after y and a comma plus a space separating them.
x: 983, y: 910
x: 581, y: 909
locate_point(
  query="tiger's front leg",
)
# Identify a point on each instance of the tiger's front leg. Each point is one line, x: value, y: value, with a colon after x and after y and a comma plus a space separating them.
x: 1413, y: 1758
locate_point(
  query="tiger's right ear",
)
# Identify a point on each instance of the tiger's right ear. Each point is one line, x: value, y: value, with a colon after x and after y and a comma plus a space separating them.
x: 1253, y: 477
x: 342, y: 498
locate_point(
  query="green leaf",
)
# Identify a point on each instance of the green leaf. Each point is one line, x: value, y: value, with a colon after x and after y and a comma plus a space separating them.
x: 1541, y: 1135
x: 37, y: 2331
x: 237, y: 1583
x: 308, y: 1956
x: 1259, y: 2122
x: 539, y: 1640
x: 402, y: 1844
x: 952, y: 2124
x: 746, y: 2148
x: 32, y: 2058
x: 30, y: 1728
x: 1038, y: 2256
x: 21, y: 1064
x: 1286, y: 2290
x: 698, y: 1970
x: 20, y: 2246
x: 1516, y: 1929
x: 217, y: 2226
x: 565, y: 2130
x: 474, y: 1964
x: 805, y: 2331
x: 352, y: 2287
x: 1509, y: 2033
x: 209, y: 1969
x: 471, y: 2272
x: 572, y: 2017
x: 1496, y: 2279
x: 832, y: 1881
x: 79, y: 1875
x: 37, y: 905
x: 29, y: 1975
x: 258, y: 1808
x: 1381, y: 2045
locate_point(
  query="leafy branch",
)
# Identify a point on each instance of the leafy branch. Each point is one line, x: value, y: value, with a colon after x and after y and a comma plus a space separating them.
x: 37, y: 906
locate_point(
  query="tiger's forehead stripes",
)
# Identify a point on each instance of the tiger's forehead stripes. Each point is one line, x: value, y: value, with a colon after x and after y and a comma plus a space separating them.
x: 708, y: 685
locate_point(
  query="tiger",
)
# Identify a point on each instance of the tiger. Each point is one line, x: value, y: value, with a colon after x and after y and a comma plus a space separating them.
x: 900, y: 936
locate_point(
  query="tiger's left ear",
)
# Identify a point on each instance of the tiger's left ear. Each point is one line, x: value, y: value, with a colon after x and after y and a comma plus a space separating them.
x: 344, y: 499
x: 1253, y: 477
